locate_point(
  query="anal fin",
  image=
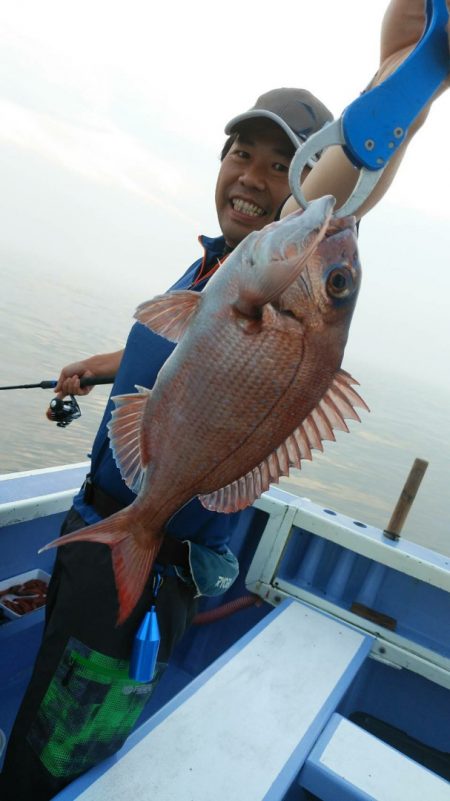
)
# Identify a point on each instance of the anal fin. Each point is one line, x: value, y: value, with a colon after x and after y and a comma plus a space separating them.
x: 125, y: 435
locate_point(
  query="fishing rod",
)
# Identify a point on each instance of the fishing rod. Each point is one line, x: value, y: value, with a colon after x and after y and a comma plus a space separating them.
x: 52, y: 383
x: 61, y: 410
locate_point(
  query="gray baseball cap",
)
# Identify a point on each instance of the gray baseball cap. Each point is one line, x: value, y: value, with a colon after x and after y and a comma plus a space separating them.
x: 296, y: 111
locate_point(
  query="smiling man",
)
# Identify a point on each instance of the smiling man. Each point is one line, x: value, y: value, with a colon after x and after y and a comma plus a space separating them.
x: 253, y: 185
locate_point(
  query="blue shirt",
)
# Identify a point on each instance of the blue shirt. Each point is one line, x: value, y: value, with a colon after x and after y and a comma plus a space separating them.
x: 145, y: 352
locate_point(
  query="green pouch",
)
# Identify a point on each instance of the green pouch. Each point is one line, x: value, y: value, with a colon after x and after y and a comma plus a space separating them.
x: 88, y: 711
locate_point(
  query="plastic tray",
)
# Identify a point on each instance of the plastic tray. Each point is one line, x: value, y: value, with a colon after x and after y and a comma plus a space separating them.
x: 20, y: 579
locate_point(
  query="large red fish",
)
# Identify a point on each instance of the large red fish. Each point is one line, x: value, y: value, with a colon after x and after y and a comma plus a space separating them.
x: 252, y: 386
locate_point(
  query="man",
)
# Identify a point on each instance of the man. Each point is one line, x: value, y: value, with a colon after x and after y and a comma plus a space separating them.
x: 83, y: 661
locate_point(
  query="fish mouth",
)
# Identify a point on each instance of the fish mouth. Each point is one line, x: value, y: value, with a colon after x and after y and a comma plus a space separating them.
x: 247, y: 208
x: 336, y: 225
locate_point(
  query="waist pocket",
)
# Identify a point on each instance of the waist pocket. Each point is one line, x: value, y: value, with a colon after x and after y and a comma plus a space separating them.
x: 88, y: 711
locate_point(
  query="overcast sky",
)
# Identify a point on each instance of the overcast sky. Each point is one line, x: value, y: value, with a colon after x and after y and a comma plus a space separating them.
x: 111, y: 121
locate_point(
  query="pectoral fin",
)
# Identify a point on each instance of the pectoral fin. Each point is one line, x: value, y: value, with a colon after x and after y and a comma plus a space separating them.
x: 169, y: 315
x: 337, y: 403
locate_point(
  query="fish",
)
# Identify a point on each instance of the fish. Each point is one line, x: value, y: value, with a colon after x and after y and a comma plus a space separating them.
x: 253, y: 385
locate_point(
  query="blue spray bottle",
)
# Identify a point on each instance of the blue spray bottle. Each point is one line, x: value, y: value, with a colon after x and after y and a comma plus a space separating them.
x: 146, y: 642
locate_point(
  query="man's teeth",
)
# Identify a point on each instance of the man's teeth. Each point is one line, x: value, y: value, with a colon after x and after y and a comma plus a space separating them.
x: 244, y: 207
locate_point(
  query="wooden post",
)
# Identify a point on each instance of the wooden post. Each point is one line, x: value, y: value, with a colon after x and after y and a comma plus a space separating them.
x: 406, y: 498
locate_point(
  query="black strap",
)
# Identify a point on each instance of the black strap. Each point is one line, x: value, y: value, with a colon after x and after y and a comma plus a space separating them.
x: 172, y: 550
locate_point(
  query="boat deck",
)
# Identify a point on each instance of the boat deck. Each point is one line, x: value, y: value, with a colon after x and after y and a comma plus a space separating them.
x: 246, y: 725
x: 264, y: 705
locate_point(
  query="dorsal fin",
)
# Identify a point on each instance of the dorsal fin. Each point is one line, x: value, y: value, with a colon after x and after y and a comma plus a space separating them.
x: 337, y: 402
x: 124, y: 430
x: 169, y: 315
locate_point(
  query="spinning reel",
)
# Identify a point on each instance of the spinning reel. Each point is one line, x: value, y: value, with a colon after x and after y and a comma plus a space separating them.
x: 63, y: 411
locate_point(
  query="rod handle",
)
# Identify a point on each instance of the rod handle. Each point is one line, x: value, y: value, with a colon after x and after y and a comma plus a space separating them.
x: 92, y: 381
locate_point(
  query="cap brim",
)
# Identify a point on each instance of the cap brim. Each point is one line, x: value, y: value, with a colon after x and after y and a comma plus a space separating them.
x: 254, y: 114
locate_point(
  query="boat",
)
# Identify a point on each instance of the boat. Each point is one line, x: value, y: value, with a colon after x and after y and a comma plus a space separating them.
x: 323, y: 673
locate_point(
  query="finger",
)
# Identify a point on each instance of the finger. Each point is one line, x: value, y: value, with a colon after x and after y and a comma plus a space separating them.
x: 71, y: 386
x: 62, y: 385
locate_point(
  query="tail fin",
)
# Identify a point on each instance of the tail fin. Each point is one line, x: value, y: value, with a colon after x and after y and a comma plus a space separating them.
x: 131, y: 563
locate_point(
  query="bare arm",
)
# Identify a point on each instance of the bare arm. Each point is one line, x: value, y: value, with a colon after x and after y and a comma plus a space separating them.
x: 101, y: 365
x: 402, y: 28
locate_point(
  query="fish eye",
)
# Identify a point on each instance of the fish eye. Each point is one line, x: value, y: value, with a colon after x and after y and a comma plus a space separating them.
x: 339, y: 283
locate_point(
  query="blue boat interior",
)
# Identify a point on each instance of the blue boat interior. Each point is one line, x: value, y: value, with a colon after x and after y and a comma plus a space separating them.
x: 393, y: 690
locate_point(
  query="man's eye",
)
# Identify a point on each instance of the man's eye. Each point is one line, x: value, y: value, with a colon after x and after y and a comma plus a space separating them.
x: 241, y: 154
x: 278, y: 167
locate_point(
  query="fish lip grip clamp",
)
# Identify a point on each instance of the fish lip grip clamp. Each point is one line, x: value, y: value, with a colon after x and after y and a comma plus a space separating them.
x: 372, y: 128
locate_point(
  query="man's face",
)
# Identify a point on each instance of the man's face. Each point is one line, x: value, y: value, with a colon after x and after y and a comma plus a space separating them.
x: 253, y: 180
